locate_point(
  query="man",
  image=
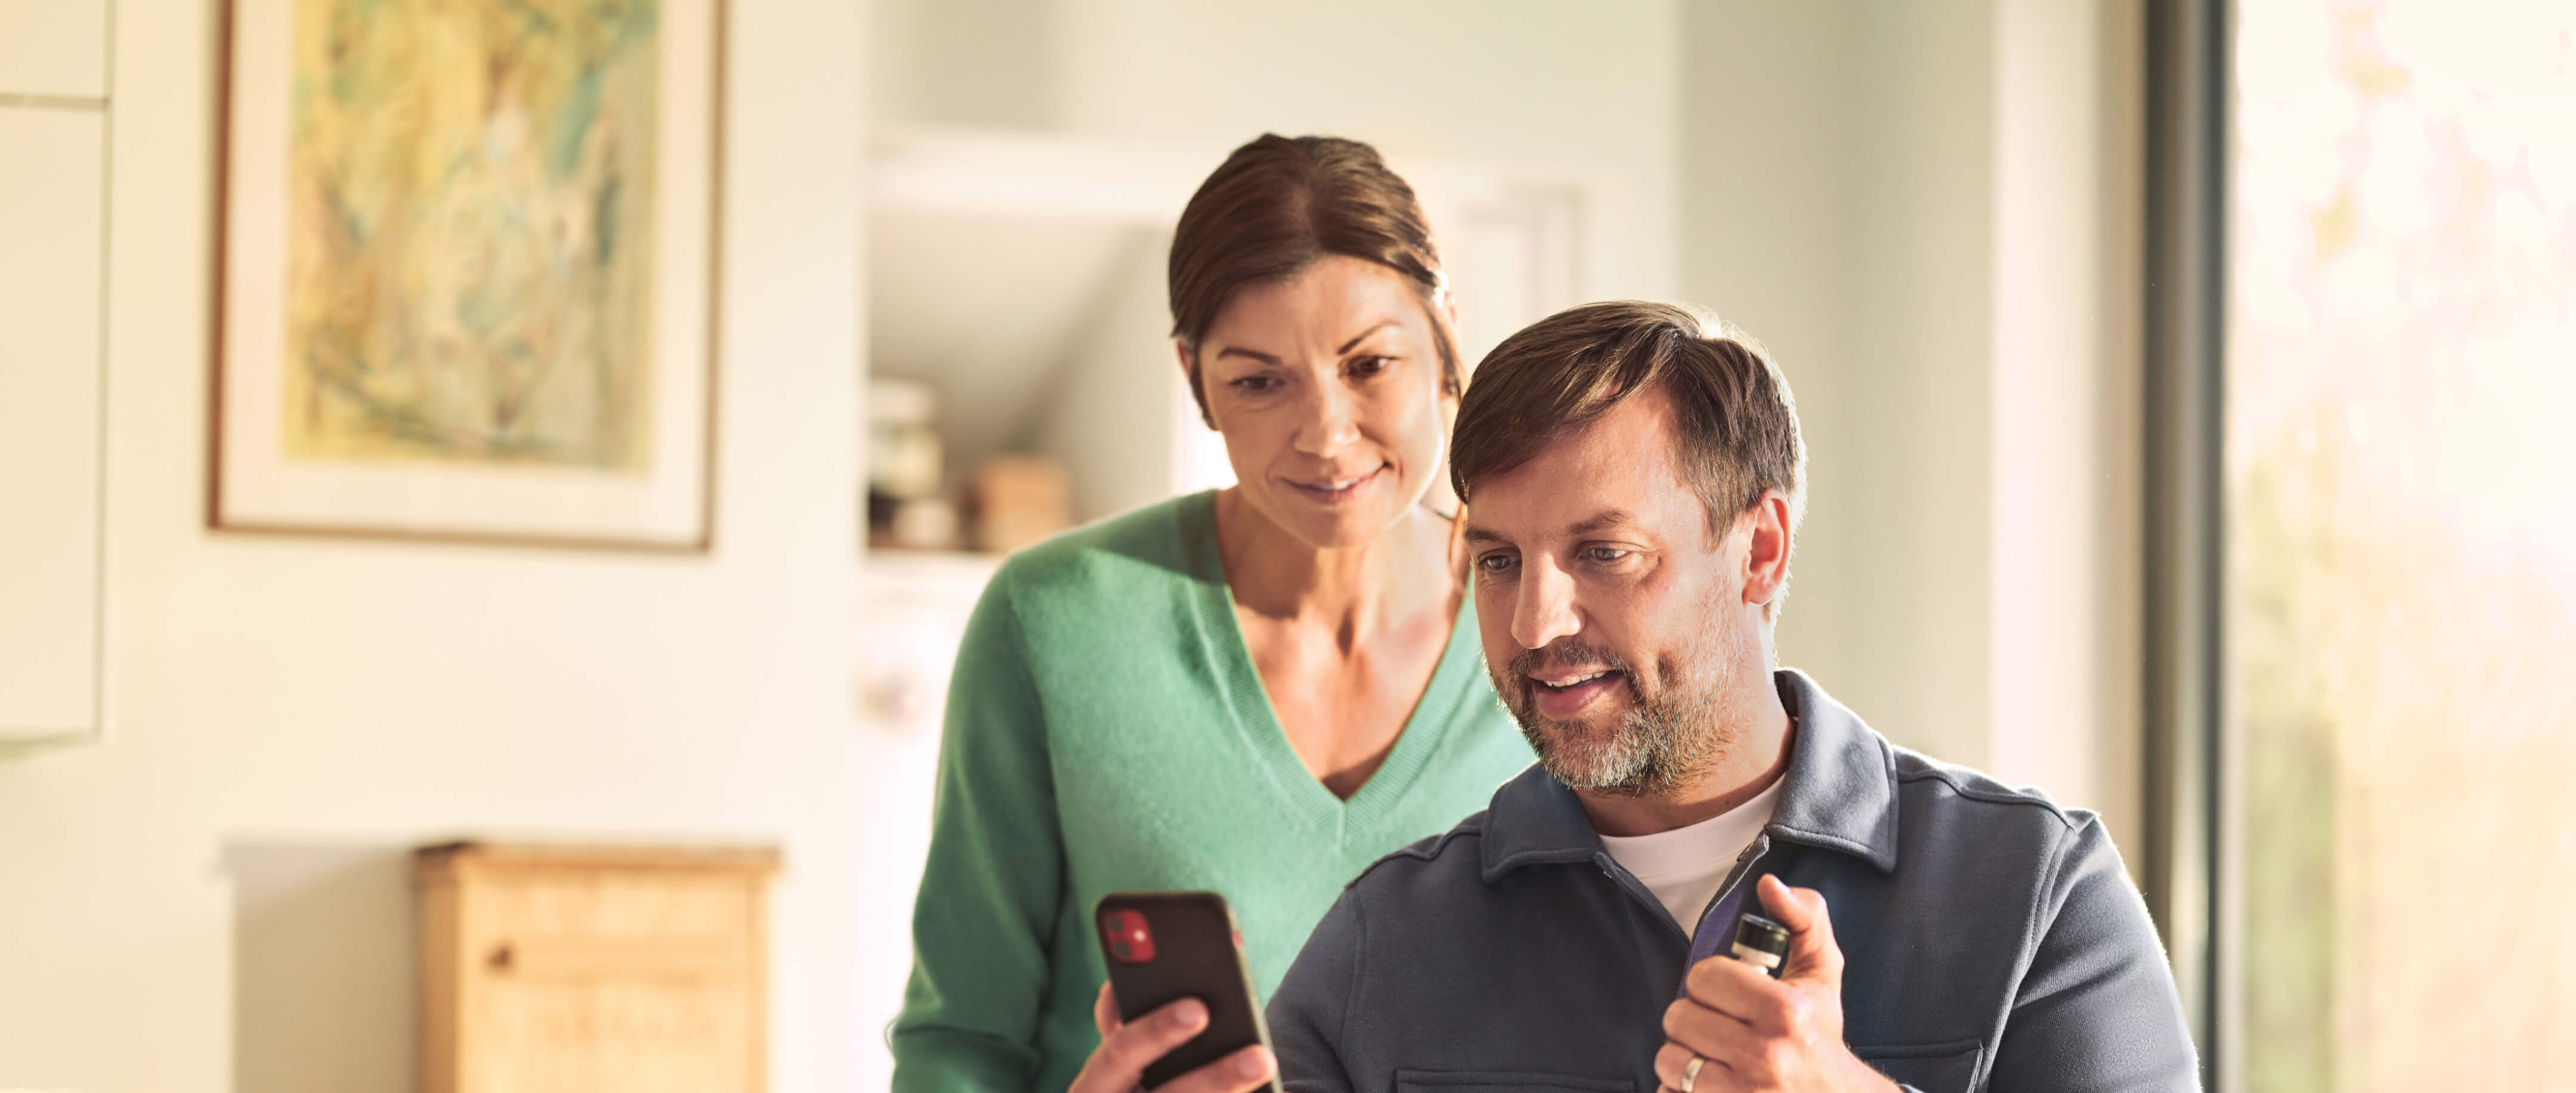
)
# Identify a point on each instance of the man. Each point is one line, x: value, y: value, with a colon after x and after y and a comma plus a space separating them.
x: 1631, y: 475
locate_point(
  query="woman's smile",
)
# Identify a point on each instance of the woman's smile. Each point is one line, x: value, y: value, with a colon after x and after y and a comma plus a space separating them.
x: 1335, y: 490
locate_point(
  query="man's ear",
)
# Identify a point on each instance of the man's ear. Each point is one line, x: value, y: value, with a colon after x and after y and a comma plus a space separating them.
x: 1766, y: 554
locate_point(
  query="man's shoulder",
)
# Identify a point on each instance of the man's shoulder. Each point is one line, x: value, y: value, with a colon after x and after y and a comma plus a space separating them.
x: 1455, y: 853
x: 1972, y: 795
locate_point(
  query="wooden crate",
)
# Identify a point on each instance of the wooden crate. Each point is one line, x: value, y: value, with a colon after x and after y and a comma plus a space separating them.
x: 578, y: 969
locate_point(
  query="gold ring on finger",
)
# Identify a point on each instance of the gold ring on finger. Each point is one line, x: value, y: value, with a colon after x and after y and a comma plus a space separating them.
x: 1690, y: 1072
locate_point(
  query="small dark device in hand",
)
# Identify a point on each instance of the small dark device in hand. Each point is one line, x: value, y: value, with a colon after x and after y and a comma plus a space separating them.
x: 1761, y: 943
x: 1162, y: 947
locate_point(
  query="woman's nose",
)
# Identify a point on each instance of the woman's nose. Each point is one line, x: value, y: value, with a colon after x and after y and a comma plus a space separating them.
x: 1332, y: 422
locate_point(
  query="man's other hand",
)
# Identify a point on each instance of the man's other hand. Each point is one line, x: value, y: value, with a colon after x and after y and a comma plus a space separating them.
x: 1127, y: 1048
x: 1760, y: 1033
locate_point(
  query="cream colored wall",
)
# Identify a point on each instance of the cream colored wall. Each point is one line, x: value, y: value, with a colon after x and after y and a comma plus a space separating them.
x: 1924, y: 210
x: 1590, y: 91
x: 2066, y: 467
x: 212, y: 898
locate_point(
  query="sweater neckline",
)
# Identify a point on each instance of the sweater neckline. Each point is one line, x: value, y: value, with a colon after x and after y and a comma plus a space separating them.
x: 1257, y: 722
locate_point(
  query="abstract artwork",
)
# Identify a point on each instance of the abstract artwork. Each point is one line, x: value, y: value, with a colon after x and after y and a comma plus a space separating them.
x: 468, y: 269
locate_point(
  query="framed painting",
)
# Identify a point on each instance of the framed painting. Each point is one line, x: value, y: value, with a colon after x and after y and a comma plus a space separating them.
x: 466, y: 270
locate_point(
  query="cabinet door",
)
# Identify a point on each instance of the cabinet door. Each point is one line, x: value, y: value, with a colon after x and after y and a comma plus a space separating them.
x: 51, y: 198
x: 53, y: 48
x: 640, y: 982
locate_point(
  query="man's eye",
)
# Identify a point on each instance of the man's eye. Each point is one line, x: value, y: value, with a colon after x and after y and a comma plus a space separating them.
x: 1494, y: 563
x: 1607, y: 554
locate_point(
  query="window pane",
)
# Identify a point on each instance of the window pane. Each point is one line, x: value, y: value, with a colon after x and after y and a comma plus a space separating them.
x: 2402, y: 542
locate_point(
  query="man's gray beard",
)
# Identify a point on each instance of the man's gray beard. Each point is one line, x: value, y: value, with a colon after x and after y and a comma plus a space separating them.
x: 1662, y: 742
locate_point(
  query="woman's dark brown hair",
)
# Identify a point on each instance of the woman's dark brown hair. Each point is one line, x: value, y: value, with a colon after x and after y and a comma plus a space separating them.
x: 1278, y: 204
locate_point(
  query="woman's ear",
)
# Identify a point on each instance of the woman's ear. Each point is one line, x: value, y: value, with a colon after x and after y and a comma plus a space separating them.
x: 1190, y: 379
x: 1446, y: 316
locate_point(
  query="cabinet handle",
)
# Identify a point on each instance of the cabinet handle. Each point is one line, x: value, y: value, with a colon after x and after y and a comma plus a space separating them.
x: 543, y: 957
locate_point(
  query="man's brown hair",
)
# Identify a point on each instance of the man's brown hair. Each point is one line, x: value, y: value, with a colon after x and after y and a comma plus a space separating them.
x: 1737, y: 424
x: 1278, y: 204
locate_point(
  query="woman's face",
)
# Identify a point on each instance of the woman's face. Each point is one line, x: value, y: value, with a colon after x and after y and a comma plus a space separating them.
x: 1327, y: 389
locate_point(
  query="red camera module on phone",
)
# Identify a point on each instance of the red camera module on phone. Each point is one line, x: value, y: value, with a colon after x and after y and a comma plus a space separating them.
x: 1130, y: 940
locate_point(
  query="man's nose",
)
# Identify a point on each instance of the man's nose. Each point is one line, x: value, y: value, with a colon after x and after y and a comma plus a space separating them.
x: 1331, y: 424
x: 1543, y: 605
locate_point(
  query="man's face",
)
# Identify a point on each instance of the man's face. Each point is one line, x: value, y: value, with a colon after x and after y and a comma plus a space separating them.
x: 1614, y: 619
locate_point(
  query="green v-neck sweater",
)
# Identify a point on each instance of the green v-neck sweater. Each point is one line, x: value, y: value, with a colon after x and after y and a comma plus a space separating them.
x: 1107, y: 732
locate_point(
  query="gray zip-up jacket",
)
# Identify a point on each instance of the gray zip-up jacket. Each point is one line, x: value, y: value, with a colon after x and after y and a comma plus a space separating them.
x: 1991, y: 940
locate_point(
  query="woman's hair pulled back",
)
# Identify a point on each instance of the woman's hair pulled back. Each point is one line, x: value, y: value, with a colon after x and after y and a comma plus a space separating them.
x: 1278, y: 204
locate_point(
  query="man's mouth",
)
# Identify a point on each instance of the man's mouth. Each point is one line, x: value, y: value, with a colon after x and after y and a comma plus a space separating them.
x: 1569, y: 683
x: 1567, y: 695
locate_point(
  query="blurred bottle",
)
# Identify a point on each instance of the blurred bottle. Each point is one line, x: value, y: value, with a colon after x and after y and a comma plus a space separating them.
x: 907, y: 507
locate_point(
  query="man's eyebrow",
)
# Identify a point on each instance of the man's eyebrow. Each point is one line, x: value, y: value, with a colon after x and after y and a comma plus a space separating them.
x: 1363, y: 336
x: 1608, y: 518
x: 1255, y: 354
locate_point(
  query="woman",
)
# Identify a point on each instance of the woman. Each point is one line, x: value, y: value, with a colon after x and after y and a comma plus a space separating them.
x: 1256, y: 691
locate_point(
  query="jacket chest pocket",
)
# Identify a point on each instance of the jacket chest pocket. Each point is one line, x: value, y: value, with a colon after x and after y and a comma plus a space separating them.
x: 1503, y: 1081
x: 1931, y: 1068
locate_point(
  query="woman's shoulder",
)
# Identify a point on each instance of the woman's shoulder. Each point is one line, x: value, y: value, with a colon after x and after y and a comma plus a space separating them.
x: 1114, y: 557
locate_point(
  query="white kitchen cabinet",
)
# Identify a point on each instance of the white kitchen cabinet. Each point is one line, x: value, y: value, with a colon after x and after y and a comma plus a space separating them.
x: 52, y: 200
x: 53, y: 50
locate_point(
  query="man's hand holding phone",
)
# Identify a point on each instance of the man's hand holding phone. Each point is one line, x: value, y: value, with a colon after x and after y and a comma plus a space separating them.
x: 1748, y: 1031
x: 1118, y: 1064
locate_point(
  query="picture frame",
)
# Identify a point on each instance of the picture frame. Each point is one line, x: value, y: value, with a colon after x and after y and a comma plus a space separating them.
x: 467, y: 271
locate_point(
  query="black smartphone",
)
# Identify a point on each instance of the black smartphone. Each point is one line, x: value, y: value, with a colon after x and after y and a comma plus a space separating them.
x: 1162, y: 947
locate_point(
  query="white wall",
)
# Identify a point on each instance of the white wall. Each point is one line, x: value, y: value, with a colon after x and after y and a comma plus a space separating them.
x: 2066, y: 405
x: 1589, y: 91
x: 1117, y: 422
x: 1925, y: 211
x: 213, y: 898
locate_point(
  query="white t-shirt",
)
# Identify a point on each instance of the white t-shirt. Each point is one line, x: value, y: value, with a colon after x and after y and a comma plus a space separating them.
x: 1684, y: 867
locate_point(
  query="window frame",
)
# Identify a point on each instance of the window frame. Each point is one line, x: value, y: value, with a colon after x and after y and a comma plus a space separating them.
x: 2188, y: 858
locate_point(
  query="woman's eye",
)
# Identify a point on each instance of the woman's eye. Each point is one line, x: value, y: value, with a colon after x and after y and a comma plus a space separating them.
x: 1365, y: 367
x: 1252, y: 385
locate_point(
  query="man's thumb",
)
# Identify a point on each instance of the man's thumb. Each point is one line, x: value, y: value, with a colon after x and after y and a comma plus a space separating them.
x: 1812, y: 951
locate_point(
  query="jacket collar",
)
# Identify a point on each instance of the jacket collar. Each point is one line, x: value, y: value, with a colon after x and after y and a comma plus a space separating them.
x: 1839, y: 794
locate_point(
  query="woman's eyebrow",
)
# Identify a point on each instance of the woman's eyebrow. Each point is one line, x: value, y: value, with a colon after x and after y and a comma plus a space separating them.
x: 1255, y: 354
x: 1362, y: 336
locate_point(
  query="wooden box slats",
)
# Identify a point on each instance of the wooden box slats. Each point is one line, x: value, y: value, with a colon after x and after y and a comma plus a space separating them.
x: 571, y: 969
